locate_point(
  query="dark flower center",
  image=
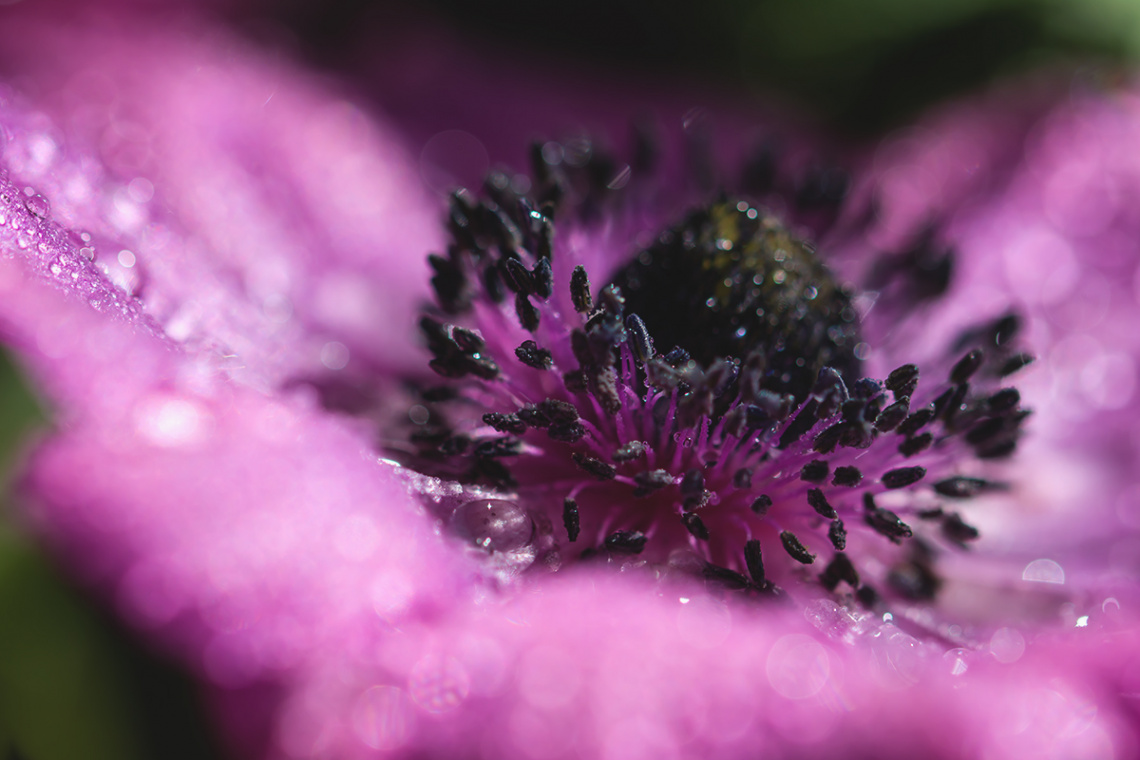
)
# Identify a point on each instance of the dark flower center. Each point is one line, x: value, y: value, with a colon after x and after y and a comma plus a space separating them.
x: 702, y: 414
x: 730, y: 281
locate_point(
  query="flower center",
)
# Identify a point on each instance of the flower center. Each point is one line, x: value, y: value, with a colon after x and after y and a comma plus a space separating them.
x: 731, y: 282
x: 741, y: 455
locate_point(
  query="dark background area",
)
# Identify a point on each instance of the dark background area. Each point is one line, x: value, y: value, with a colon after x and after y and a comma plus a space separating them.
x: 75, y: 686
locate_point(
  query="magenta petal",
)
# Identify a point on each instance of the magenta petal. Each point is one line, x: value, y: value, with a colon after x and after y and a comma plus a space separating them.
x: 267, y: 219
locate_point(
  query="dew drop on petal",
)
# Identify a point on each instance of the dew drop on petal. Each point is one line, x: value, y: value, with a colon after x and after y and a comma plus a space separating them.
x: 957, y: 661
x: 496, y: 525
x: 1044, y: 571
x: 38, y: 205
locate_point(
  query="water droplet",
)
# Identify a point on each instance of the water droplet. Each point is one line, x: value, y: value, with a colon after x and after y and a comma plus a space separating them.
x: 1043, y: 571
x: 493, y: 524
x: 38, y: 205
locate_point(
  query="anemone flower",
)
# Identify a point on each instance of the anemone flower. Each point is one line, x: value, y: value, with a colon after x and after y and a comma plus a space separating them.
x: 704, y: 449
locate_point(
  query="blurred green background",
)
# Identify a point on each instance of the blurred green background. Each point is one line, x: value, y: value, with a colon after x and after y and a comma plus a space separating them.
x: 75, y: 686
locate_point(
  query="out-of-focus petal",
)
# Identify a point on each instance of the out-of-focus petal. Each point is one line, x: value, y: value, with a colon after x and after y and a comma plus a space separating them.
x: 265, y: 217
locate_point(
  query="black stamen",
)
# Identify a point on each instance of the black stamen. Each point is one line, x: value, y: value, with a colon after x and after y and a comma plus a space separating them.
x: 903, y: 476
x: 594, y: 466
x: 650, y: 481
x: 837, y: 534
x: 1004, y: 400
x: 742, y: 478
x: 819, y: 503
x: 626, y: 542
x: 890, y: 417
x: 640, y: 341
x: 867, y: 597
x: 571, y: 519
x: 918, y: 443
x: 814, y: 471
x: 794, y: 548
x: 754, y: 560
x: 532, y: 356
x: 888, y: 524
x: 839, y: 569
x: 543, y: 278
x: 693, y: 483
x: 847, y: 476
x: 1015, y: 363
x: 495, y: 448
x: 762, y: 504
x: 629, y: 451
x: 527, y: 313
x: 580, y: 291
x: 916, y: 421
x: 695, y: 525
x: 517, y: 278
x: 722, y: 575
x: 958, y: 531
x: 505, y: 423
x: 967, y: 366
x: 903, y: 380
x: 961, y: 487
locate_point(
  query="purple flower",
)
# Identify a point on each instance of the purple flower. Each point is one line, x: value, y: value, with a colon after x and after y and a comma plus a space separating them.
x: 206, y: 250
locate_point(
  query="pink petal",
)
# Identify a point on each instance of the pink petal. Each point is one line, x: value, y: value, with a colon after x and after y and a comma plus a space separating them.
x: 268, y: 220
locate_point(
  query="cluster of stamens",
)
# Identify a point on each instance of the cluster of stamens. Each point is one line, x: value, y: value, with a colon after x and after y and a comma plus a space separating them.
x: 743, y: 452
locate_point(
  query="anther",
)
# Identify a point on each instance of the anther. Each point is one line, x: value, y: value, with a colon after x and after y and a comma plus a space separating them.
x: 543, y: 278
x: 695, y: 525
x: 916, y: 444
x: 1003, y: 400
x: 903, y: 477
x: 496, y: 448
x: 961, y: 487
x: 839, y: 569
x: 1015, y: 363
x: 887, y: 523
x: 903, y: 380
x: 571, y: 519
x: 847, y: 476
x: 594, y: 466
x: 729, y: 579
x: 958, y: 531
x: 742, y: 479
x: 894, y: 414
x: 762, y: 504
x: 794, y: 548
x: 627, y: 452
x: 814, y: 471
x: 532, y: 356
x: 916, y: 421
x: 837, y: 534
x: 517, y: 277
x: 640, y: 341
x: 626, y: 542
x: 650, y: 481
x: 505, y: 423
x: 754, y: 561
x: 819, y: 503
x: 967, y: 366
x: 527, y: 313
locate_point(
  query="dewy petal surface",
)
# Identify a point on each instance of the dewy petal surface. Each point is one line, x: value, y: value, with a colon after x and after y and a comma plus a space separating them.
x: 286, y: 231
x: 264, y: 543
